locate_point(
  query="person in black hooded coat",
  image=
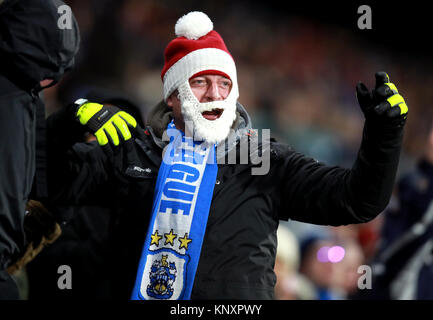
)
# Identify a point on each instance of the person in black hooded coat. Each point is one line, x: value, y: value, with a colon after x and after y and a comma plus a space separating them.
x: 35, y: 51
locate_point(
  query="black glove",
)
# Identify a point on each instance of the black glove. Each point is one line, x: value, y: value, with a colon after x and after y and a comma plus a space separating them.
x: 383, y: 104
x: 41, y: 229
x: 39, y: 223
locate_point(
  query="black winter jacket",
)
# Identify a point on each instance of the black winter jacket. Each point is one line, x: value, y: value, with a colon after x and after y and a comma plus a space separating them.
x: 239, y: 247
x: 32, y: 49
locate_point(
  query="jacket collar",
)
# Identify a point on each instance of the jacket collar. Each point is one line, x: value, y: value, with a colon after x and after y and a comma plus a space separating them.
x: 161, y: 115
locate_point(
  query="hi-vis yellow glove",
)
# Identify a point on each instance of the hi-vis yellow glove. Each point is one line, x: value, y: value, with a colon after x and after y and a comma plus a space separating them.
x: 106, y: 122
x: 383, y: 102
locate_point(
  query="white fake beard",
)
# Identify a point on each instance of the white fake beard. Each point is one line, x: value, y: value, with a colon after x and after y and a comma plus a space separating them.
x: 201, y: 129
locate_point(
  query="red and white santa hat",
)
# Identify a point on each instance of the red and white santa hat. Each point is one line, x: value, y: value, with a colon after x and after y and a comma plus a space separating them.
x: 198, y: 49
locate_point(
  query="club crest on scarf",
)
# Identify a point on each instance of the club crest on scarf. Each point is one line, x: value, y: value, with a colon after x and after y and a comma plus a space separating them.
x: 162, y: 276
x: 165, y: 282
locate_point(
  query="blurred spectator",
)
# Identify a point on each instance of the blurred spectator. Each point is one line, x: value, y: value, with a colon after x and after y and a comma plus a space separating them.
x: 346, y: 275
x: 331, y: 266
x: 366, y: 235
x: 403, y: 267
x: 317, y: 268
x: 291, y: 285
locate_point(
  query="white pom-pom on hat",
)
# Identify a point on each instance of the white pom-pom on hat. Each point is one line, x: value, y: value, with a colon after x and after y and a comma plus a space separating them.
x: 193, y: 25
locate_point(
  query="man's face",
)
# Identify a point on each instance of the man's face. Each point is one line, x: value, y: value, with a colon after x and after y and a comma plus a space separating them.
x: 206, y: 88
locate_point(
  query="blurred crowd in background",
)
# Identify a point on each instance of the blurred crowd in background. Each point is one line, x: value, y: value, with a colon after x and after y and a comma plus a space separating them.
x: 297, y: 76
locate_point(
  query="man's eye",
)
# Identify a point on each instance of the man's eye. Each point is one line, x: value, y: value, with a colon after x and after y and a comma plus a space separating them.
x: 226, y: 83
x: 198, y: 82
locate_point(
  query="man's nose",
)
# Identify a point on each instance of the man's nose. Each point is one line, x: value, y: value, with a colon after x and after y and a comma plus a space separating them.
x: 213, y: 93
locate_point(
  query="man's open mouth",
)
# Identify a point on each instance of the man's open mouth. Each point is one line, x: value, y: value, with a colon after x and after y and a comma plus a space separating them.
x: 213, y: 114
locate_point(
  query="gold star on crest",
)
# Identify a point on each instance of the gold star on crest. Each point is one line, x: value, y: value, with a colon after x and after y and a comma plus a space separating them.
x: 169, y: 237
x: 155, y: 238
x: 184, y: 241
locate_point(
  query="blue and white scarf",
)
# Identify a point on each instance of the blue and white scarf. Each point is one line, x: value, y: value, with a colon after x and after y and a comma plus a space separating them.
x: 183, y: 196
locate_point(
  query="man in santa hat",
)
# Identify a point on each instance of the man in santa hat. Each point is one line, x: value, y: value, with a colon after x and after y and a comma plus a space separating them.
x: 189, y: 224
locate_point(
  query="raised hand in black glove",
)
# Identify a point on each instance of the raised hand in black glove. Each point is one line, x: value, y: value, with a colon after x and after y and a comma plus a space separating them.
x: 383, y: 103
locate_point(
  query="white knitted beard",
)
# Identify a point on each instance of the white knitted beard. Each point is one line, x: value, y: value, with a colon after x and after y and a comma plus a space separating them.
x: 201, y: 129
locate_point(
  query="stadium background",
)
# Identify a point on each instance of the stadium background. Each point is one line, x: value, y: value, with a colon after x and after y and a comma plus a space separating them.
x: 298, y: 66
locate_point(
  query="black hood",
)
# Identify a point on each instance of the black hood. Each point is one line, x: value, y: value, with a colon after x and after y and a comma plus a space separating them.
x: 32, y: 45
